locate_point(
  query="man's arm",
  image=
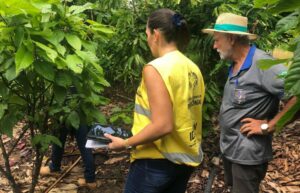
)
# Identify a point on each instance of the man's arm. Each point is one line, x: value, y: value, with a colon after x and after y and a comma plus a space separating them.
x: 252, y: 126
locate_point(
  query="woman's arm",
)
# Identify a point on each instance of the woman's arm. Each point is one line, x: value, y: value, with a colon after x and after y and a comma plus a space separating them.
x: 161, y: 113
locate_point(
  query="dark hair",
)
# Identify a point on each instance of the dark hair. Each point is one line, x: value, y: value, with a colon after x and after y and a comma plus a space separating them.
x: 172, y: 25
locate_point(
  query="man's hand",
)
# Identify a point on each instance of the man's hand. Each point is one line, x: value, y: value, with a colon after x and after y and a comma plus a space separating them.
x: 117, y: 143
x: 251, y: 126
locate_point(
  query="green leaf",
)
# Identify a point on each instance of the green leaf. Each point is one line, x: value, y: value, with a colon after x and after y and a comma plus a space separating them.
x: 88, y: 56
x: 60, y: 94
x: 286, y: 6
x: 75, y: 9
x: 297, y: 52
x: 91, y: 46
x: 3, y: 90
x: 45, y: 69
x: 10, y: 73
x: 74, y: 41
x: 75, y: 63
x: 288, y: 115
x: 17, y: 100
x: 261, y: 3
x: 292, y: 79
x: 103, y: 29
x: 23, y: 59
x: 265, y: 64
x: 98, y: 116
x: 94, y: 99
x: 55, y: 38
x: 52, y: 54
x: 127, y: 120
x: 287, y: 23
x: 295, y: 89
x: 43, y: 141
x: 56, y: 108
x: 120, y: 117
x: 46, y: 17
x: 19, y: 36
x: 73, y: 119
x: 7, y: 64
x: 63, y: 79
x: 44, y: 33
x: 93, y: 114
x: 61, y: 49
x: 45, y: 4
x: 16, y: 7
x: 61, y: 63
x: 99, y: 78
x: 9, y: 120
x: 3, y: 107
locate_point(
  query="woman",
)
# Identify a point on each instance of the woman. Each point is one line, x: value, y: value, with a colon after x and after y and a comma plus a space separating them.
x: 168, y: 112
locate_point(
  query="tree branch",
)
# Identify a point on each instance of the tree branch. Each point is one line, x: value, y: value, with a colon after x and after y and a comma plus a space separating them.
x: 25, y: 128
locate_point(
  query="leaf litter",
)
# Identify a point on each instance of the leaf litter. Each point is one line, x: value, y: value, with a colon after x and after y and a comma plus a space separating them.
x: 283, y: 174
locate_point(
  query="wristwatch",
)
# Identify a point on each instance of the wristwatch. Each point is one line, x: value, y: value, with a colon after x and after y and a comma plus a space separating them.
x: 264, y: 128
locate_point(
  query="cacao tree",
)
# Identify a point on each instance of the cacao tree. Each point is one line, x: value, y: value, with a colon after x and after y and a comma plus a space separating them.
x: 49, y: 73
x: 289, y: 25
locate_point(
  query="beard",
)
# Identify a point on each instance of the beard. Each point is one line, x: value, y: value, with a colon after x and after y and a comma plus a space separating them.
x: 226, y: 54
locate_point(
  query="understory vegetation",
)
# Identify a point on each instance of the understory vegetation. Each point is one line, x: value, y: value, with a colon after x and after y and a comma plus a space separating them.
x: 58, y: 58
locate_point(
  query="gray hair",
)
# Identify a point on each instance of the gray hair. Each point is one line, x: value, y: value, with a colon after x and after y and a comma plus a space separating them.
x: 238, y: 38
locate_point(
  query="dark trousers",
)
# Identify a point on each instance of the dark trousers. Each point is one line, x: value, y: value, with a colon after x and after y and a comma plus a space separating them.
x: 244, y: 178
x: 86, y: 154
x: 157, y: 176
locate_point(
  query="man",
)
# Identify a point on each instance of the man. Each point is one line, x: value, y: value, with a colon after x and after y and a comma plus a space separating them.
x: 249, y: 107
x: 89, y: 179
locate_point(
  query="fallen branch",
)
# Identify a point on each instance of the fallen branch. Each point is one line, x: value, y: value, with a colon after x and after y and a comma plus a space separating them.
x: 125, y: 97
x: 105, y: 154
x: 63, y: 175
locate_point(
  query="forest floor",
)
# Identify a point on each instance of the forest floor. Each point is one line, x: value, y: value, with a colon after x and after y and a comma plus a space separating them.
x: 283, y: 174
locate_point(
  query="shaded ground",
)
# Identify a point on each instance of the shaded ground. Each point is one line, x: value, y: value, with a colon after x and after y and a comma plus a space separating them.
x: 283, y: 172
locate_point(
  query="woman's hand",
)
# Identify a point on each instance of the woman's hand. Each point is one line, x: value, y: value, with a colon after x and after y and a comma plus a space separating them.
x: 117, y: 143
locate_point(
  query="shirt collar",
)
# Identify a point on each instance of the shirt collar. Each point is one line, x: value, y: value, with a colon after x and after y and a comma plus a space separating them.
x: 247, y: 63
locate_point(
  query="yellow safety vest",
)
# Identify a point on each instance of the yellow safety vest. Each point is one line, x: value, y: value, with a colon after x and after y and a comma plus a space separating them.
x: 185, y: 85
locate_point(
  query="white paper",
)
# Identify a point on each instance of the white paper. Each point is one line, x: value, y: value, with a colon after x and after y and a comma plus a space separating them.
x: 94, y: 144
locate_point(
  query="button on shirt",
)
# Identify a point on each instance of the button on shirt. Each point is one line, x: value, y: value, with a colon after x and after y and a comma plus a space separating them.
x: 251, y: 93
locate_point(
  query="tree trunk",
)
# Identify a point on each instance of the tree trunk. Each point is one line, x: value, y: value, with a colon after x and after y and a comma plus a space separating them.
x: 36, y: 169
x: 7, y: 172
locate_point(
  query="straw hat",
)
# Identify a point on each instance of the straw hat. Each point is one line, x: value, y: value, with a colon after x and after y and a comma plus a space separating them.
x: 231, y: 23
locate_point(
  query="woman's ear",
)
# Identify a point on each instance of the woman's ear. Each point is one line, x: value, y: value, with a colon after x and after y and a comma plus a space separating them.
x: 157, y: 35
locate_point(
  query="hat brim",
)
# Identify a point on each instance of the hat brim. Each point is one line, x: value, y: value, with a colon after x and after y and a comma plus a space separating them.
x: 250, y: 36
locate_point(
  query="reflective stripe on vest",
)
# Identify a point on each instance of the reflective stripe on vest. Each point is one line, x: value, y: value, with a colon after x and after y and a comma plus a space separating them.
x: 141, y: 110
x: 184, y: 158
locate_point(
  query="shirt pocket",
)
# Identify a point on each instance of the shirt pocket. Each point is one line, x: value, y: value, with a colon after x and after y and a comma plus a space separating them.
x: 242, y: 97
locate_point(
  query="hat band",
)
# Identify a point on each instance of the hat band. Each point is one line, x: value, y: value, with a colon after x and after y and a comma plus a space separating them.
x: 230, y: 27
